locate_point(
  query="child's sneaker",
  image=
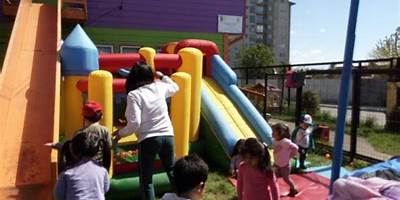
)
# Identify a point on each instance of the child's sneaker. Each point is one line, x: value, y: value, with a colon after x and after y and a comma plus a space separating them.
x: 292, y: 193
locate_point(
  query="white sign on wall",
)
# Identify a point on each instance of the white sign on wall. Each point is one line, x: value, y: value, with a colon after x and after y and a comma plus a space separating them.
x: 230, y: 24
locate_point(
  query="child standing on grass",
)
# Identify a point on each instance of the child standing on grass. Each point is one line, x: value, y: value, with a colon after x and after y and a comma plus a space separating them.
x: 86, y: 179
x: 284, y: 150
x: 236, y: 158
x: 256, y: 179
x: 301, y: 137
x: 190, y: 176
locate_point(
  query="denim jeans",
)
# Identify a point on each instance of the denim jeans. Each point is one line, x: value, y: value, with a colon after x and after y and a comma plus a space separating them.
x: 148, y: 149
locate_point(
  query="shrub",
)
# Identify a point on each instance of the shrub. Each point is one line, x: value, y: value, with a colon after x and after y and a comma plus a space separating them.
x: 310, y: 102
x: 370, y: 122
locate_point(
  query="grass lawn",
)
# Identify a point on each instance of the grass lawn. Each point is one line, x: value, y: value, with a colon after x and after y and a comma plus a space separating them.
x: 385, y: 142
x: 218, y: 187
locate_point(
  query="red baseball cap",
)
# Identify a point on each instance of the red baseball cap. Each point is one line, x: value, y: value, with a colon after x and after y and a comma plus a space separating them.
x: 91, y: 108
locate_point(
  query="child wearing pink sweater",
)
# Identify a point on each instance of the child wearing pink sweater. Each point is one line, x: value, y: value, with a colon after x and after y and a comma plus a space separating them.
x: 256, y: 179
x: 284, y: 150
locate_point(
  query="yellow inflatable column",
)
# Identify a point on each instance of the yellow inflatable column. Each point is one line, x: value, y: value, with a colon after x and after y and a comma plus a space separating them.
x: 72, y: 109
x: 180, y: 113
x: 101, y: 91
x: 192, y: 63
x: 148, y: 54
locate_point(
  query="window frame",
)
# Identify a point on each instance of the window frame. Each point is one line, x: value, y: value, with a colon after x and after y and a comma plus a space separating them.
x: 129, y: 46
x: 105, y: 46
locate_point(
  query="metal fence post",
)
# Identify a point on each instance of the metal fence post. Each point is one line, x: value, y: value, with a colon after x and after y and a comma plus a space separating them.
x: 282, y: 93
x: 299, y: 101
x: 247, y: 75
x: 355, y: 112
x: 265, y: 95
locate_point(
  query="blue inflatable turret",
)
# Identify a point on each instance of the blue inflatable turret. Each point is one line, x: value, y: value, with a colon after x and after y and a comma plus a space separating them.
x: 79, y: 56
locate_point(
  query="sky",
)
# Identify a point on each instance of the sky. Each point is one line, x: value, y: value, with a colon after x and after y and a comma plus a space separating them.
x: 318, y: 28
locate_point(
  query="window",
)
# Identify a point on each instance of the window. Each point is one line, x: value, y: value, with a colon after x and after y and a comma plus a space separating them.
x: 260, y: 28
x: 252, y: 9
x: 259, y: 10
x: 253, y: 38
x: 105, y: 48
x: 259, y: 19
x: 260, y: 38
x: 269, y: 27
x: 129, y: 48
x: 252, y: 19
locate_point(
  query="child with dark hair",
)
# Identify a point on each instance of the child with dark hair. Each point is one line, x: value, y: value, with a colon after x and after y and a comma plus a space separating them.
x: 92, y: 114
x: 284, y: 150
x: 256, y: 179
x: 190, y: 176
x: 236, y: 158
x: 85, y: 179
x: 147, y: 116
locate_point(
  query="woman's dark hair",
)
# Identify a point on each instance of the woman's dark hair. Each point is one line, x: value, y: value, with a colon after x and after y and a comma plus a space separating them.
x: 238, y: 147
x: 282, y: 129
x: 255, y: 148
x: 140, y: 75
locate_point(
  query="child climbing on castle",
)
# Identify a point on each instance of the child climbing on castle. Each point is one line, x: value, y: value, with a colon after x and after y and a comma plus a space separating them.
x: 302, y: 137
x: 92, y: 114
x: 284, y: 150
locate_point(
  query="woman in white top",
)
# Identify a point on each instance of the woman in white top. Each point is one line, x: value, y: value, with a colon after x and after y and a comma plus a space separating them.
x: 147, y: 116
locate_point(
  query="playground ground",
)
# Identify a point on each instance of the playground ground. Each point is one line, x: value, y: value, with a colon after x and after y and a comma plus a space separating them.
x: 363, y: 146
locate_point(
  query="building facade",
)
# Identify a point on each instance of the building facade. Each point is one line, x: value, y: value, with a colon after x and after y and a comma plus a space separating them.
x: 267, y: 22
x: 120, y: 26
x: 125, y: 26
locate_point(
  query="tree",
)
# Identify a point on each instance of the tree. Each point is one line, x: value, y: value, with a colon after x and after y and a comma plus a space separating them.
x: 256, y: 56
x: 388, y: 47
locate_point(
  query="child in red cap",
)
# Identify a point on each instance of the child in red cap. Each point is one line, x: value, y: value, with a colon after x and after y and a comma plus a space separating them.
x: 92, y: 114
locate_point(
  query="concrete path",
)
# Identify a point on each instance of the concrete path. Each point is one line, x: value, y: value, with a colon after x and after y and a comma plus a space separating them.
x: 363, y: 147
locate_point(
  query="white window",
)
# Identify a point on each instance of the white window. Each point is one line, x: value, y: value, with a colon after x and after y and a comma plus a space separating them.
x: 260, y: 28
x: 129, y: 48
x: 105, y: 48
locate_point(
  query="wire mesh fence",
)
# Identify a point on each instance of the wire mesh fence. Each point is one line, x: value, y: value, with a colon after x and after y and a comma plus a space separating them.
x: 373, y: 113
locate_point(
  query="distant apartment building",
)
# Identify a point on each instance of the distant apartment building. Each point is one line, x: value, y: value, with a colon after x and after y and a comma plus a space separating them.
x: 267, y: 22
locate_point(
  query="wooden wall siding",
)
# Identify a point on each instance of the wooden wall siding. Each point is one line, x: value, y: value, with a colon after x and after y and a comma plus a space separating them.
x: 153, y: 39
x: 171, y: 15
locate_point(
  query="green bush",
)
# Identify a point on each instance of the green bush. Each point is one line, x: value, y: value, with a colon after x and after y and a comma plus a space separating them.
x: 370, y: 122
x: 310, y: 102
